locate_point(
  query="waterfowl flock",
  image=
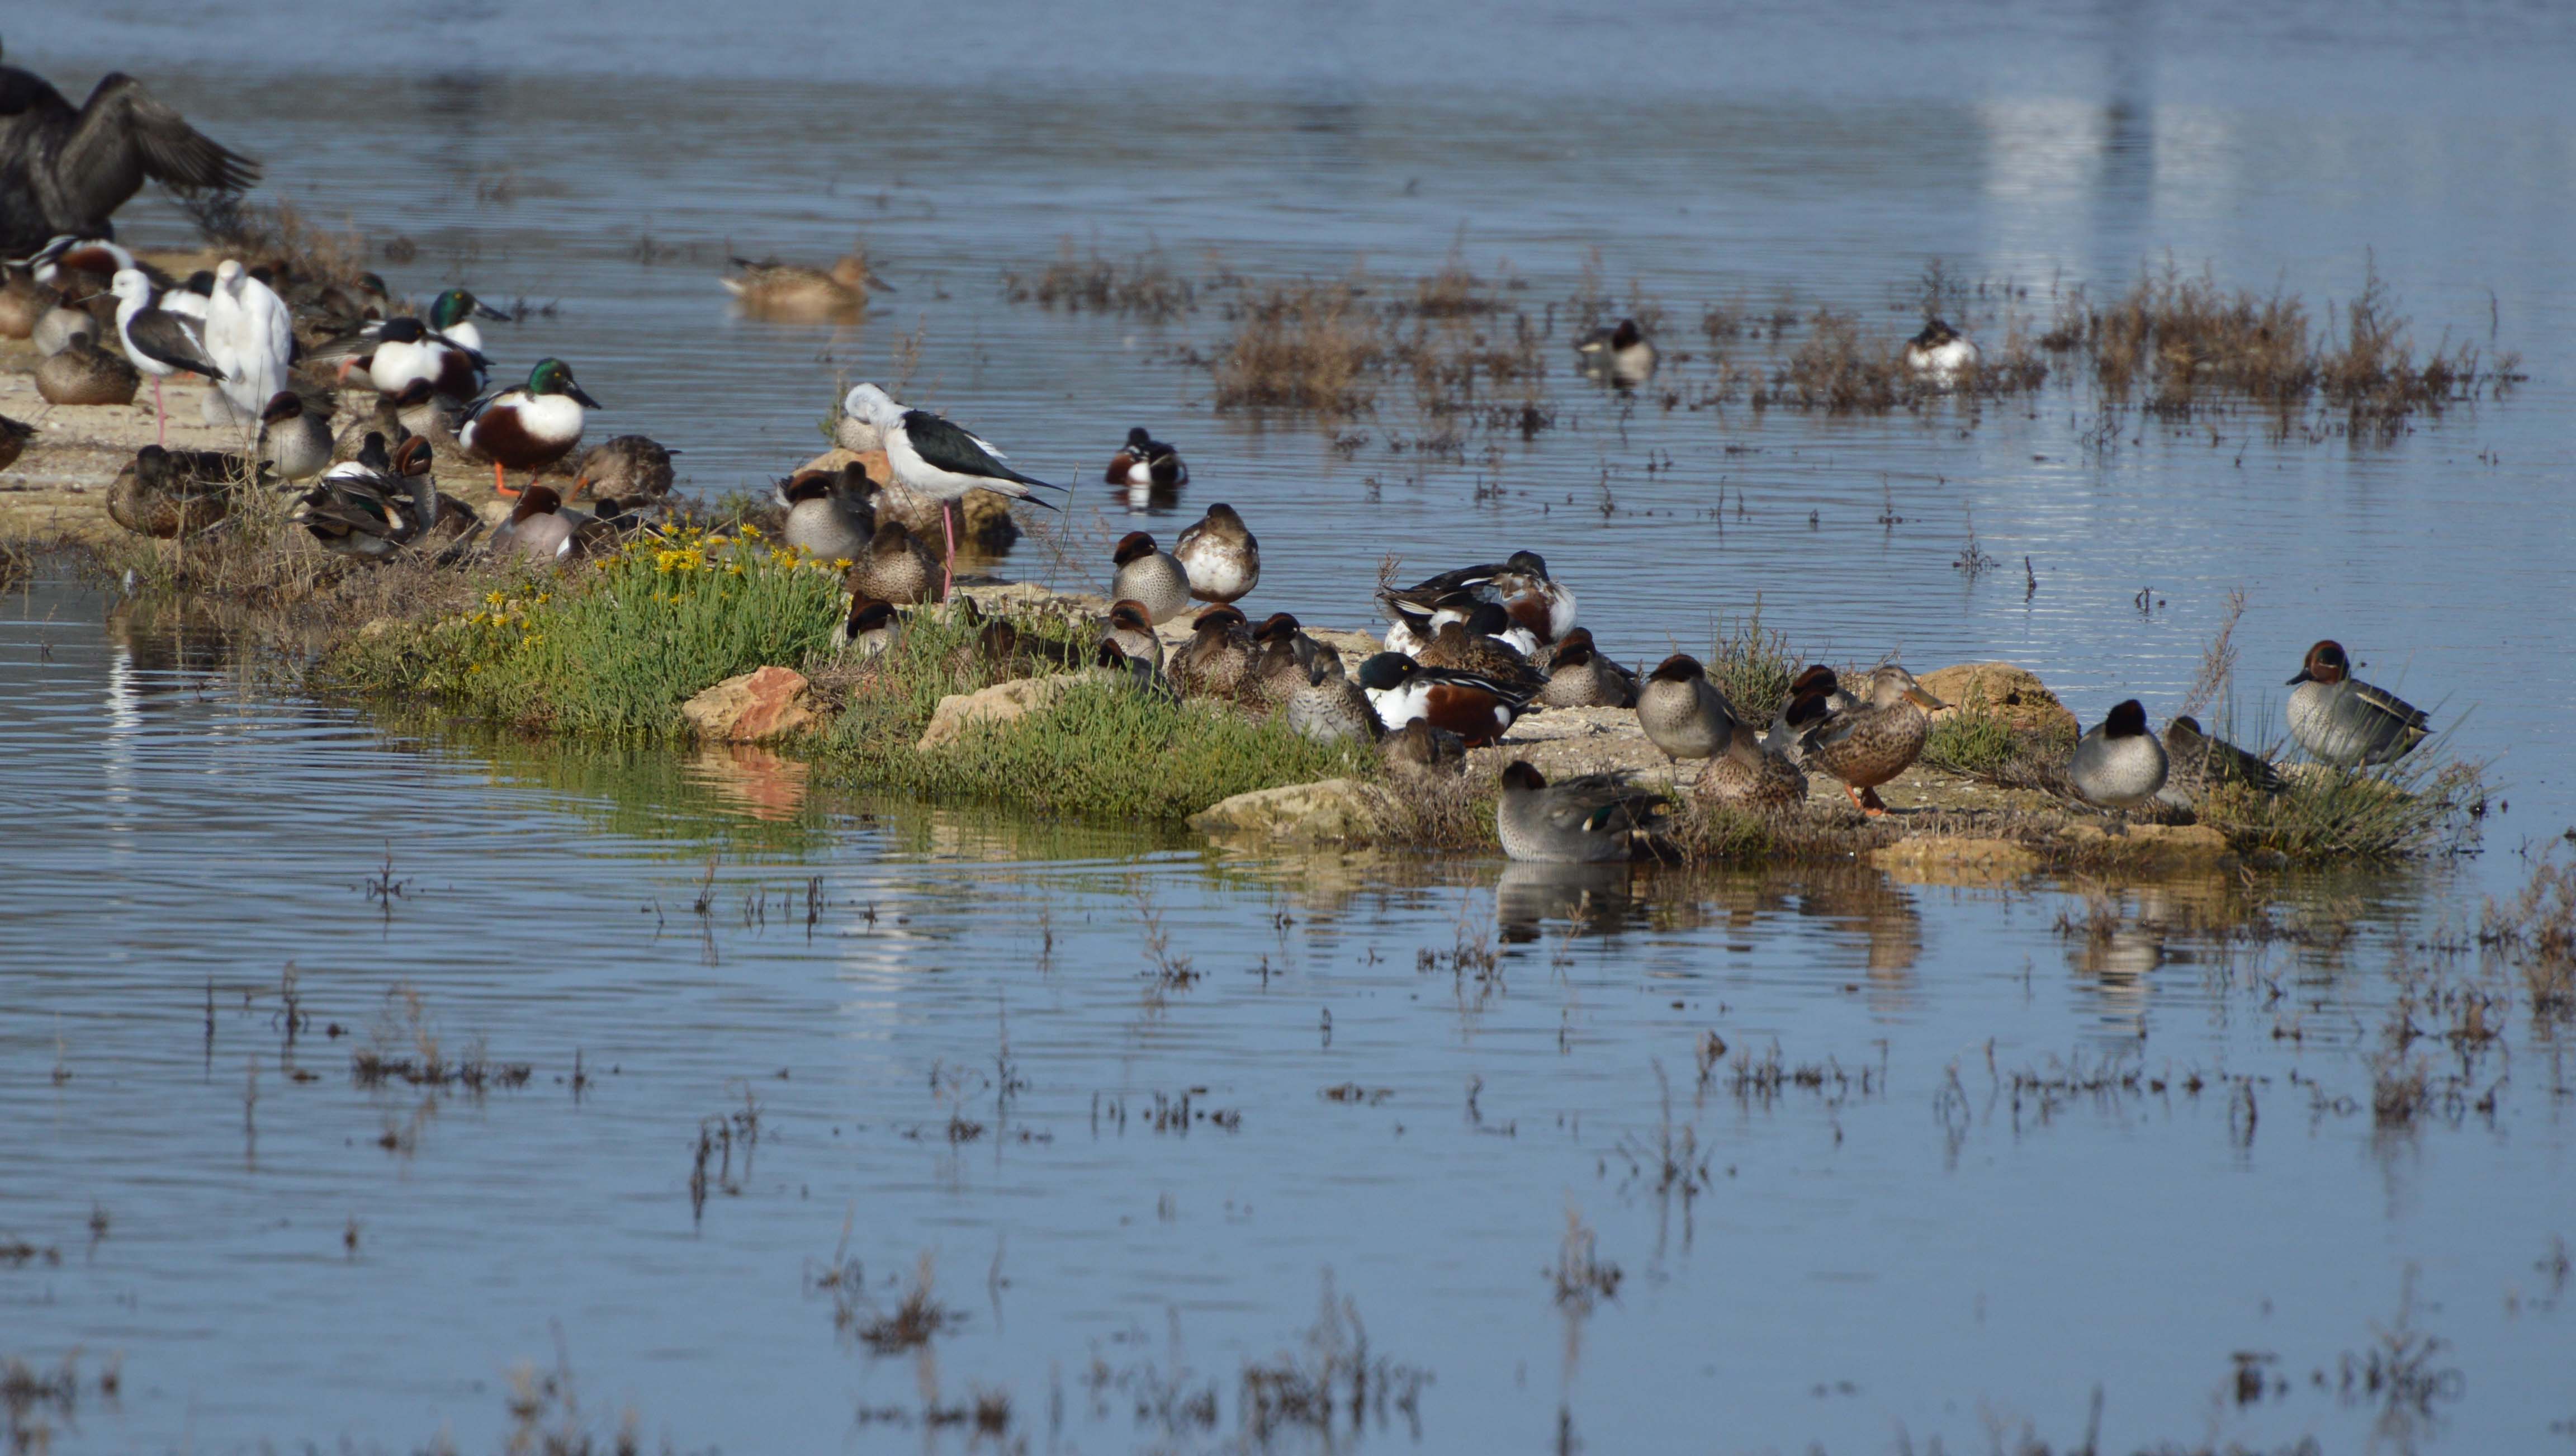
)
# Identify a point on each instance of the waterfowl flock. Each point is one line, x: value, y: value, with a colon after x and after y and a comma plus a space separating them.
x: 1467, y: 653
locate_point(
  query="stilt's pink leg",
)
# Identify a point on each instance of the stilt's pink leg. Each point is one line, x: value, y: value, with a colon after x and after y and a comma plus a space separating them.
x: 948, y: 566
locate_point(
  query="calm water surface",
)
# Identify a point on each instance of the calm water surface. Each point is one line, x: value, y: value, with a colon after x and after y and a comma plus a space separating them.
x: 1883, y: 1257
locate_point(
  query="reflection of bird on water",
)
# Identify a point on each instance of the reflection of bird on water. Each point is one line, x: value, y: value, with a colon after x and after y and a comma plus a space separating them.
x: 1592, y: 899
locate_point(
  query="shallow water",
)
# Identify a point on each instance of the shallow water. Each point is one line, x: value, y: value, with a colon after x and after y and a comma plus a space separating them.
x: 1864, y: 1261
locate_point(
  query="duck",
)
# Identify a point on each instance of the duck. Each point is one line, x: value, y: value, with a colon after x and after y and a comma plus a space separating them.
x: 57, y: 326
x: 77, y: 263
x: 421, y: 410
x: 22, y: 301
x: 68, y: 171
x: 159, y: 342
x: 1475, y: 646
x: 2118, y: 765
x: 1520, y: 584
x: 85, y: 374
x: 1875, y: 740
x: 1817, y: 681
x: 1328, y: 707
x: 1133, y: 672
x: 2345, y: 722
x: 872, y: 628
x: 14, y: 435
x: 537, y: 530
x: 374, y: 505
x: 1150, y: 577
x: 1217, y: 659
x: 1578, y: 676
x: 388, y: 354
x: 294, y: 441
x: 383, y: 417
x: 451, y: 317
x: 172, y: 493
x: 1219, y: 556
x: 1478, y: 710
x: 1683, y: 713
x: 828, y: 516
x: 1145, y: 463
x: 1131, y: 631
x: 897, y: 566
x: 634, y: 470
x: 1283, y: 658
x: 529, y: 427
x: 1419, y: 751
x: 610, y: 527
x: 1940, y: 352
x: 1621, y: 351
x: 790, y: 290
x: 1749, y: 777
x: 1593, y: 819
x: 2197, y: 760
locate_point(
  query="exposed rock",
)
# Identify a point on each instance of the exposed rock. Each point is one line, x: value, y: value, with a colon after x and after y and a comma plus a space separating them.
x: 2151, y: 847
x: 752, y: 708
x: 1004, y: 702
x: 1946, y: 859
x: 2001, y: 690
x: 1329, y: 809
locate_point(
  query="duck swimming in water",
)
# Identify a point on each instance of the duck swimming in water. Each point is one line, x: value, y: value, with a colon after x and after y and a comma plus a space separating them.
x: 771, y: 289
x: 1940, y: 353
x: 66, y: 171
x: 1621, y: 353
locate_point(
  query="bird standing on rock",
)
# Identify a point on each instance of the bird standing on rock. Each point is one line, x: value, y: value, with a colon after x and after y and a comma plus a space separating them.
x: 2119, y: 765
x: 940, y: 460
x: 1220, y: 556
x: 530, y: 427
x: 1578, y: 676
x: 251, y: 333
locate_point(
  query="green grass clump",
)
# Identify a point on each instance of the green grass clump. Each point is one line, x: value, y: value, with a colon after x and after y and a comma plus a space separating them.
x: 614, y: 647
x: 1978, y: 745
x: 2417, y: 806
x: 1753, y: 667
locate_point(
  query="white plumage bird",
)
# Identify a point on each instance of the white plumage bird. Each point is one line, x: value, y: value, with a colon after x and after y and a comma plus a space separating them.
x: 929, y: 455
x: 249, y: 332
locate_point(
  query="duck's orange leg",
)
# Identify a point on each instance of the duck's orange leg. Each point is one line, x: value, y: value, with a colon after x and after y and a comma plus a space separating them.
x: 501, y: 483
x: 1871, y: 804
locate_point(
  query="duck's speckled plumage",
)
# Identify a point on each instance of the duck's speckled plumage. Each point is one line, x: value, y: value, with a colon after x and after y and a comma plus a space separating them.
x: 1877, y: 739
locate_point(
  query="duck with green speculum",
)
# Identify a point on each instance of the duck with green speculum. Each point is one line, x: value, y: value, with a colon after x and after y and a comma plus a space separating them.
x: 2346, y: 722
x: 530, y: 427
x: 1588, y: 820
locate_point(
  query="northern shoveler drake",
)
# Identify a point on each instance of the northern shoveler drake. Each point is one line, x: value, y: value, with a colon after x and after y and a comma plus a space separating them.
x: 771, y: 289
x: 633, y: 470
x: 1131, y: 631
x: 1868, y: 744
x: 1748, y: 777
x: 14, y: 435
x: 1682, y: 712
x: 2349, y: 723
x: 83, y: 373
x: 2196, y: 760
x: 294, y: 442
x: 1330, y: 708
x: 1145, y: 463
x: 529, y: 427
x: 1219, y: 555
x: 1418, y: 750
x: 1578, y: 676
x: 73, y: 264
x: 1218, y: 657
x: 872, y: 628
x: 538, y: 529
x: 171, y: 493
x: 1622, y: 352
x: 1482, y: 645
x: 828, y: 515
x: 451, y: 317
x: 898, y: 567
x: 1151, y: 577
x: 1940, y: 351
x: 1521, y: 585
x: 374, y: 505
x: 159, y: 342
x: 2119, y: 765
x: 396, y: 351
x: 71, y: 170
x: 1477, y: 709
x: 1587, y: 820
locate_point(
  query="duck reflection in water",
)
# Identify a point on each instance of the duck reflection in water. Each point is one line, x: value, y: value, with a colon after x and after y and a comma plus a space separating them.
x: 1594, y: 899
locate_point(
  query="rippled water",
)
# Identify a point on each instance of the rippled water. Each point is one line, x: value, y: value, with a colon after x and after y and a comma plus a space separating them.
x: 1883, y: 1256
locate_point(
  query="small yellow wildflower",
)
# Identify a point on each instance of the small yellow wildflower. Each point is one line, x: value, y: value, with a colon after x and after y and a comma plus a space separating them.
x: 750, y: 532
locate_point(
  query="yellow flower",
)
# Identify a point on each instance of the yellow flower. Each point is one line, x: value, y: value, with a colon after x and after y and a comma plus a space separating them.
x: 495, y: 598
x: 841, y: 563
x: 750, y: 532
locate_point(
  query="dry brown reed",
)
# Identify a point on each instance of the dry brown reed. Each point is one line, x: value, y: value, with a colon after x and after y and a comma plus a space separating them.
x: 1307, y: 346
x: 1145, y: 285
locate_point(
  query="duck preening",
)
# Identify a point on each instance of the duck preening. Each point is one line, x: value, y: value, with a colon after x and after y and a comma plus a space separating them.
x: 65, y: 172
x: 1520, y: 585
